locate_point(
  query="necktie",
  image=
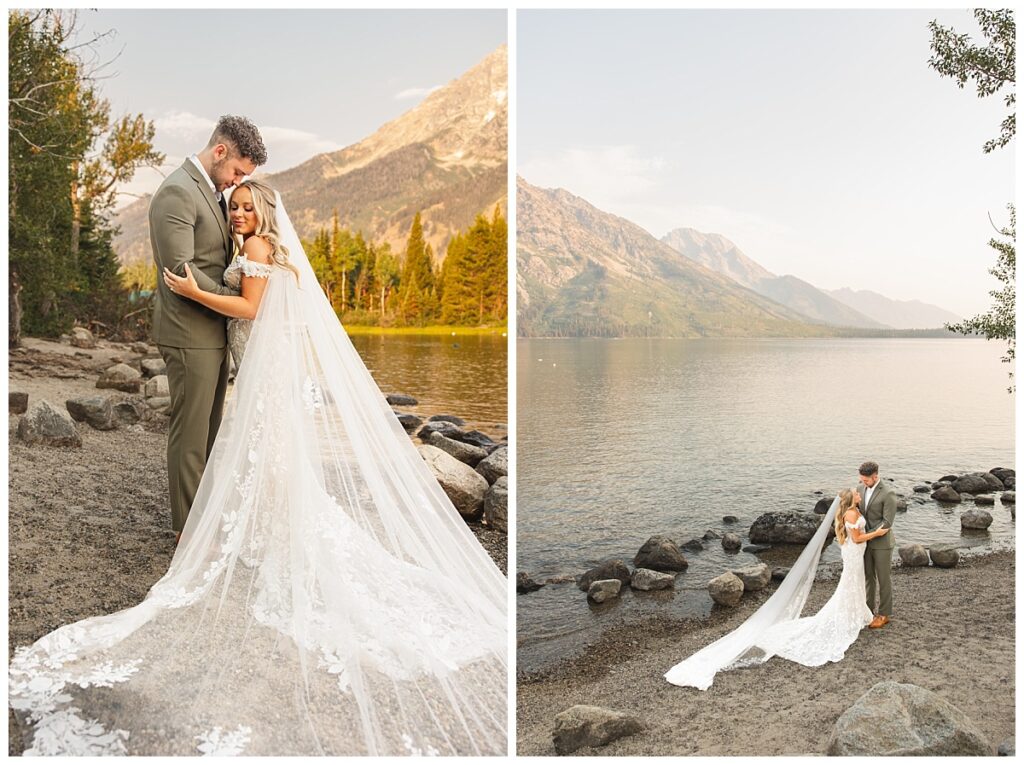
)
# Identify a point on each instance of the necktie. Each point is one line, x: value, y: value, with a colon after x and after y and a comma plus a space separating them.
x: 223, y: 206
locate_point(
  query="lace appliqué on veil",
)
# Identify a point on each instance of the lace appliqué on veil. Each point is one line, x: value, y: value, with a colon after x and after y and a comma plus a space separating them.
x: 218, y: 743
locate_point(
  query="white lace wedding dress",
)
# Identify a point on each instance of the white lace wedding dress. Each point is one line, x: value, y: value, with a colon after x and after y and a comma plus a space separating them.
x: 326, y: 597
x: 776, y: 629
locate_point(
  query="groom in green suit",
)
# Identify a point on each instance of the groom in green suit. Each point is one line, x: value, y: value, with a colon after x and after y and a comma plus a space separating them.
x: 878, y: 509
x: 188, y: 224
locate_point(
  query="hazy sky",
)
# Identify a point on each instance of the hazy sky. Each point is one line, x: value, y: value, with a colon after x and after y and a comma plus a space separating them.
x: 313, y: 81
x: 820, y: 142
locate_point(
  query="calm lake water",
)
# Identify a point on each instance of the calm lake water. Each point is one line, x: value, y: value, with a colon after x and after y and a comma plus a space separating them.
x: 466, y: 375
x: 623, y: 439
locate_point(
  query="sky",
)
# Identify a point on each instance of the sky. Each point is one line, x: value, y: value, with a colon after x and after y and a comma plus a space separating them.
x: 312, y: 81
x: 820, y: 142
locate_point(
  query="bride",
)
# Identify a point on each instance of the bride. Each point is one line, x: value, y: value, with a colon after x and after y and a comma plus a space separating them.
x: 326, y: 597
x: 776, y: 628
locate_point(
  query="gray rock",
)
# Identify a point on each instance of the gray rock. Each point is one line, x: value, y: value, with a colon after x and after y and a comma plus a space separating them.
x: 901, y: 505
x: 82, y: 338
x: 400, y: 399
x: 940, y: 484
x: 494, y: 465
x: 97, y: 411
x: 463, y: 485
x: 1007, y: 748
x: 581, y: 726
x: 17, y: 403
x: 159, y: 404
x: 732, y: 542
x: 603, y: 590
x: 966, y: 497
x: 711, y: 534
x: 755, y: 549
x: 900, y: 719
x: 822, y: 505
x: 646, y: 579
x: 976, y: 518
x: 496, y: 505
x: 474, y: 437
x: 471, y: 455
x: 44, y: 423
x: 661, y: 554
x: 779, y: 573
x: 692, y: 545
x: 726, y: 589
x: 947, y: 479
x: 121, y: 377
x: 140, y: 347
x: 1008, y: 498
x: 525, y: 583
x: 128, y: 412
x: 153, y: 367
x: 944, y: 555
x: 977, y: 483
x: 946, y: 494
x: 408, y: 421
x: 784, y: 527
x: 444, y: 428
x: 984, y: 499
x: 754, y: 577
x: 609, y: 569
x: 913, y: 555
x: 447, y: 418
x: 158, y: 387
x: 730, y: 519
x: 922, y: 488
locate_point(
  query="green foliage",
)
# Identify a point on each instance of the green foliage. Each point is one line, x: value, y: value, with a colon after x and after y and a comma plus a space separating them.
x: 1000, y: 321
x: 61, y: 187
x: 369, y: 286
x: 991, y: 66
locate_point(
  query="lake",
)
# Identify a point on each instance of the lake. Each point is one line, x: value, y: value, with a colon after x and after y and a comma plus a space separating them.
x: 623, y: 439
x: 465, y: 375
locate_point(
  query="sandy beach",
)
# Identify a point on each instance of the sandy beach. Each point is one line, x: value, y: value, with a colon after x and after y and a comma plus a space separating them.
x: 952, y: 633
x: 90, y: 529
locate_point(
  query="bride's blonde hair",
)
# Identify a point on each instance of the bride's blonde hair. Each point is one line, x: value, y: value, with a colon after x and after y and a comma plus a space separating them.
x: 845, y: 503
x: 264, y: 204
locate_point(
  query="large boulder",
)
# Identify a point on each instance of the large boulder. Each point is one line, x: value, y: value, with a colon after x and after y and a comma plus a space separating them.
x: 153, y: 367
x: 944, y: 555
x: 946, y: 494
x: 731, y: 542
x: 898, y: 719
x: 582, y: 726
x: 471, y: 455
x: 496, y: 505
x: 822, y: 505
x: 648, y: 579
x: 463, y: 485
x: 660, y: 554
x: 754, y: 577
x: 17, y: 403
x: 913, y: 555
x: 975, y: 518
x: 495, y: 465
x: 97, y: 411
x: 82, y: 338
x: 158, y: 387
x: 44, y: 423
x: 121, y: 377
x: 726, y: 589
x: 603, y: 590
x: 129, y: 411
x: 787, y: 527
x: 448, y: 429
x: 977, y: 483
x: 609, y: 569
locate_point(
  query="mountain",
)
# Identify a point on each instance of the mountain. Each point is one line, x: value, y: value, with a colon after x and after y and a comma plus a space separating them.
x: 585, y: 272
x: 447, y: 156
x: 901, y: 314
x: 719, y: 254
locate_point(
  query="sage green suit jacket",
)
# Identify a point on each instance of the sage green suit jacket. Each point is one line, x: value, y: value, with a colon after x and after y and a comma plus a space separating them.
x: 881, y: 511
x: 186, y: 225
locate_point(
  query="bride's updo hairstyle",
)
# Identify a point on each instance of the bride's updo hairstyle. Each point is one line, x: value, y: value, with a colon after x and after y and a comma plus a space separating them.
x: 264, y: 203
x: 845, y: 502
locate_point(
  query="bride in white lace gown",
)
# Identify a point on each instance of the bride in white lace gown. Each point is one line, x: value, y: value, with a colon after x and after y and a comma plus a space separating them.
x: 326, y: 597
x: 776, y: 628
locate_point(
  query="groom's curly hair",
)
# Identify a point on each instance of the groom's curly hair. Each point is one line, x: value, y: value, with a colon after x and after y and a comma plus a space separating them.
x: 868, y: 468
x: 242, y: 135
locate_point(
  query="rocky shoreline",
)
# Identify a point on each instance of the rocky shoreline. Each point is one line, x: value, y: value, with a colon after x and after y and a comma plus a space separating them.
x: 89, y: 524
x: 952, y: 634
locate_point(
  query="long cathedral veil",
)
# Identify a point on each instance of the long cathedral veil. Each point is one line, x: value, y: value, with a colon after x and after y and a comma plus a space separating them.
x: 739, y: 648
x: 326, y: 597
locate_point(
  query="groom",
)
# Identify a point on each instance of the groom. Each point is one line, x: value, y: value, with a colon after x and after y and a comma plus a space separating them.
x: 879, y: 509
x: 188, y: 225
